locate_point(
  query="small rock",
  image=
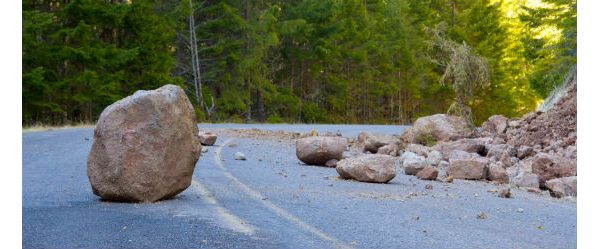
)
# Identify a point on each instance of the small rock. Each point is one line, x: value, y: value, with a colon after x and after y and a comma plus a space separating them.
x: 390, y: 149
x: 428, y: 173
x: 482, y: 216
x: 504, y: 193
x: 204, y: 149
x: 520, y: 210
x: 449, y: 179
x: 495, y: 124
x: 428, y: 186
x: 207, y: 138
x: 412, y: 163
x: 497, y: 173
x: 418, y: 149
x: 239, y: 156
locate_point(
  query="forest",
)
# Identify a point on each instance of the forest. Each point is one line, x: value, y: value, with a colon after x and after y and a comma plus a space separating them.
x: 296, y: 61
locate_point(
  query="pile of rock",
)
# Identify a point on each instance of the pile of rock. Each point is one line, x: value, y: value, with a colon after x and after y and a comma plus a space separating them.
x: 329, y: 151
x: 537, y: 151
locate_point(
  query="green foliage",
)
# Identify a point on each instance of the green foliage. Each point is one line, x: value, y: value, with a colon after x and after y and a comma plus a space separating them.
x: 312, y: 61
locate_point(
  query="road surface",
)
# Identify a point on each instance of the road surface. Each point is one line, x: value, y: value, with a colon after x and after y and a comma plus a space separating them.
x: 273, y: 201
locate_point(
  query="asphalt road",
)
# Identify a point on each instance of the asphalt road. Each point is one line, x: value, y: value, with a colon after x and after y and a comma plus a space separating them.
x: 273, y: 201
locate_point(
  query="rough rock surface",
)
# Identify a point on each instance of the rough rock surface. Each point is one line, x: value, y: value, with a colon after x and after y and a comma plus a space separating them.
x: 412, y: 163
x: 471, y: 145
x: 319, y: 150
x: 428, y: 173
x: 207, y: 138
x: 418, y: 149
x: 497, y: 173
x: 548, y: 167
x: 390, y: 149
x: 145, y: 147
x: 561, y: 187
x: 368, y: 168
x: 441, y: 127
x: 434, y: 158
x: 372, y: 142
x: 558, y: 123
x: 473, y: 168
x: 527, y: 180
x: 495, y: 124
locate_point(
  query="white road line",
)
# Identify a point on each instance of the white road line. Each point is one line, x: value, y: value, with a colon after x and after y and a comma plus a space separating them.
x: 276, y: 209
x: 232, y: 221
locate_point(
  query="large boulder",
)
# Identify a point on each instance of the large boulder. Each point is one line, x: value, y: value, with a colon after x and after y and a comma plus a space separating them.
x: 549, y: 166
x: 412, y: 163
x: 468, y: 166
x: 439, y: 127
x: 368, y: 168
x: 145, y: 147
x: 319, y: 150
x: 564, y: 186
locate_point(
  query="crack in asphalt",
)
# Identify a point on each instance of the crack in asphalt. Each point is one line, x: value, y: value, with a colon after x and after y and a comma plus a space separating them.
x: 270, y: 205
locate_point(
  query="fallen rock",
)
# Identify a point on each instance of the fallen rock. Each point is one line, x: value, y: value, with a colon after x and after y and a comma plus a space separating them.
x: 207, y: 138
x: 527, y: 180
x: 331, y: 163
x: 412, y: 163
x: 497, y: 173
x: 498, y: 151
x: 470, y: 145
x: 145, y: 147
x: 434, y: 158
x: 548, y: 167
x: 390, y: 149
x: 428, y: 173
x: 368, y: 168
x: 319, y: 150
x: 418, y: 149
x: 525, y: 151
x: 564, y: 186
x: 504, y: 193
x: 495, y: 124
x: 373, y: 142
x: 473, y: 168
x: 239, y: 156
x: 439, y: 127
